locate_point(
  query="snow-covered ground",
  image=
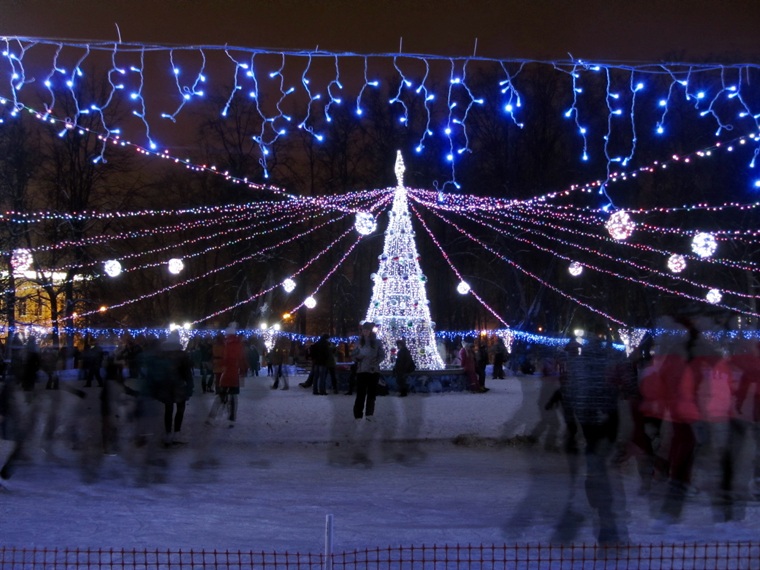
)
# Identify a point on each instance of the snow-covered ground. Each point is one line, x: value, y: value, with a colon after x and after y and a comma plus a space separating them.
x: 439, y: 469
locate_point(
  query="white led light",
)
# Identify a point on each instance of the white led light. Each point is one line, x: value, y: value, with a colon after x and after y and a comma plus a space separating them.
x: 112, y: 268
x: 575, y: 269
x: 676, y: 263
x: 365, y: 223
x: 704, y: 244
x: 288, y: 285
x: 620, y: 225
x: 175, y: 266
x: 713, y: 296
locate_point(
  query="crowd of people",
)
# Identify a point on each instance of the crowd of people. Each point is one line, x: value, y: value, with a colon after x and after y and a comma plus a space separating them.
x: 692, y: 389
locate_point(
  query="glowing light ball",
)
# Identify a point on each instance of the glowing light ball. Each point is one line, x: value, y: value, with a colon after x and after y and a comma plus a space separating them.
x: 713, y: 296
x: 365, y: 223
x: 575, y: 269
x: 112, y: 268
x: 676, y: 263
x: 288, y: 285
x: 704, y: 244
x: 620, y: 225
x: 310, y: 302
x: 176, y: 266
x: 21, y: 260
x: 463, y: 288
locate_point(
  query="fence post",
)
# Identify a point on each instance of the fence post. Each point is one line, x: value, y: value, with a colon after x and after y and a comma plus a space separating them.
x: 328, y: 543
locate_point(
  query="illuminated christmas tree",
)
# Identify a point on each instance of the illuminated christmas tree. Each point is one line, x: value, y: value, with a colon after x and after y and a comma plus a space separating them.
x: 399, y: 304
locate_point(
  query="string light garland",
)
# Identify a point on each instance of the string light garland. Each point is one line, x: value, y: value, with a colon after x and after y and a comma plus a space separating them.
x: 504, y: 230
x: 50, y: 69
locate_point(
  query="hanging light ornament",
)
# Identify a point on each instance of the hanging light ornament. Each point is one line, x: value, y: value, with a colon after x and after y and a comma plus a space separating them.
x: 112, y: 268
x: 176, y: 266
x: 676, y: 263
x: 365, y: 223
x: 575, y: 269
x: 463, y: 288
x: 310, y: 302
x: 288, y: 285
x: 620, y: 225
x: 713, y: 296
x: 21, y: 260
x: 704, y: 244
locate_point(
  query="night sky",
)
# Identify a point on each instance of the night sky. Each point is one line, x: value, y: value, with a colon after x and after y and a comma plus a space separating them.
x: 532, y: 29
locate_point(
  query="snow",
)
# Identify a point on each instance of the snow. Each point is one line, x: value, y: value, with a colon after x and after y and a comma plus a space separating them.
x: 445, y: 468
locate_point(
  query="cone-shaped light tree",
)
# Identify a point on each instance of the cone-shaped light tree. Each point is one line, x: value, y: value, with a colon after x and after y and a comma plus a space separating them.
x: 399, y: 304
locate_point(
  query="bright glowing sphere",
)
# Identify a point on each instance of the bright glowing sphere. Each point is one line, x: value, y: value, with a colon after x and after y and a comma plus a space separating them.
x: 575, y: 269
x: 21, y: 260
x: 620, y: 225
x: 365, y: 223
x: 310, y: 302
x: 288, y: 285
x: 704, y: 244
x: 713, y: 296
x: 176, y: 266
x: 463, y: 288
x: 676, y: 263
x: 112, y: 268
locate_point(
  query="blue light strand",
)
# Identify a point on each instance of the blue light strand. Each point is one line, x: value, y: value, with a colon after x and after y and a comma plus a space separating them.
x: 680, y: 73
x: 367, y: 83
x: 48, y: 81
x: 137, y: 96
x: 333, y: 99
x: 462, y: 122
x: 17, y: 77
x: 574, y: 113
x: 403, y: 82
x: 304, y: 124
x: 426, y: 98
x: 607, y: 137
x: 635, y: 87
x: 186, y: 92
x: 514, y: 101
x: 450, y: 104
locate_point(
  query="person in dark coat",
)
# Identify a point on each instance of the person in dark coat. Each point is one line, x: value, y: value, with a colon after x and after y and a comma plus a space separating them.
x: 32, y: 364
x: 320, y: 357
x: 499, y: 357
x: 403, y: 366
x: 92, y: 361
x: 173, y: 380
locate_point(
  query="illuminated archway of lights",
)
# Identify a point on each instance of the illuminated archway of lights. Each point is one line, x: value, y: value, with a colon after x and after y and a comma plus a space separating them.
x: 40, y: 72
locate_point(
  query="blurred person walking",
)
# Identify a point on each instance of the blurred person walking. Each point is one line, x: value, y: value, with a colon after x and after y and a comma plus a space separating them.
x: 233, y: 363
x: 368, y: 354
x: 403, y: 367
x: 173, y: 379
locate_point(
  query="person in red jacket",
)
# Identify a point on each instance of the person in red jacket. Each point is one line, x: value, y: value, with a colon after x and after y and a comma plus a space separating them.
x: 233, y: 364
